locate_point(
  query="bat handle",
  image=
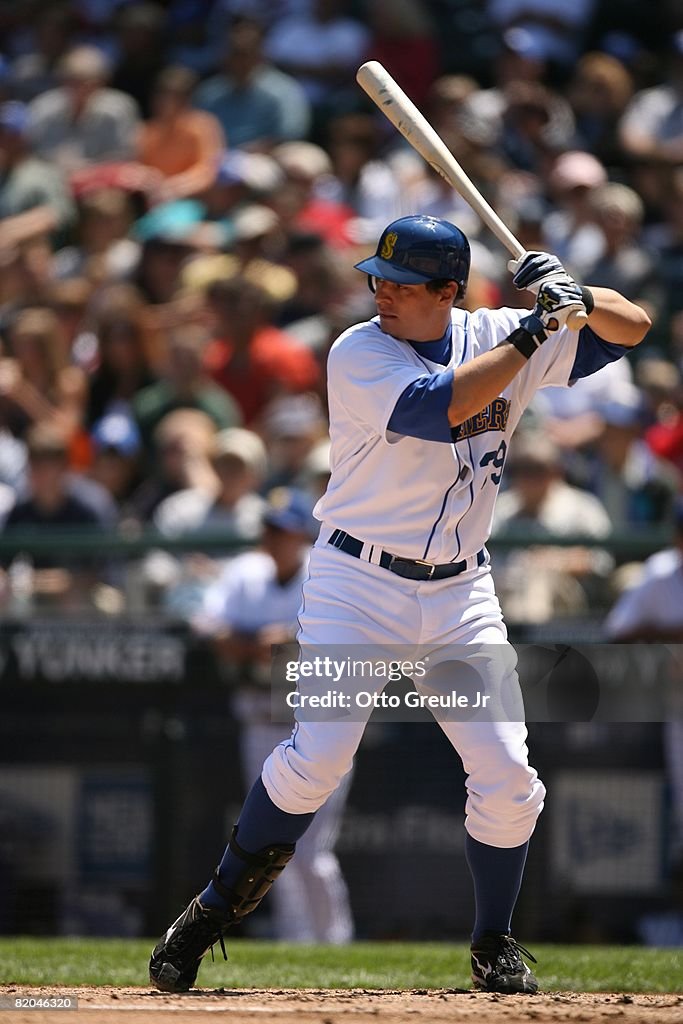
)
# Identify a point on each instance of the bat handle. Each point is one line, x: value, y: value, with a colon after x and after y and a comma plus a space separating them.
x: 577, y: 320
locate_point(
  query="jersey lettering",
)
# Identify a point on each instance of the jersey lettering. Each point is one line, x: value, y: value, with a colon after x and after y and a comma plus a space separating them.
x: 497, y: 459
x: 492, y: 417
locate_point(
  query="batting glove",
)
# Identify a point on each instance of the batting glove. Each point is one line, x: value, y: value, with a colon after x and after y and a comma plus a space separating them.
x: 554, y: 303
x: 534, y: 268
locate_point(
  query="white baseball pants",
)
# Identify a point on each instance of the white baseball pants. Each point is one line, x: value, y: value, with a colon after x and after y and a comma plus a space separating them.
x: 347, y: 601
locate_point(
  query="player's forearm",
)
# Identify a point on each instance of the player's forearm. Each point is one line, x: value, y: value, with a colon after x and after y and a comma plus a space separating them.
x: 478, y: 382
x: 616, y: 319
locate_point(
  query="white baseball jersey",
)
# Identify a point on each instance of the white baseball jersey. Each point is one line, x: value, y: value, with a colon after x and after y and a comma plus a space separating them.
x: 424, y: 499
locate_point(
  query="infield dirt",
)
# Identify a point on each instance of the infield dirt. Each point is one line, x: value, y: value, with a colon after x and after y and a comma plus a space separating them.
x: 343, y: 1006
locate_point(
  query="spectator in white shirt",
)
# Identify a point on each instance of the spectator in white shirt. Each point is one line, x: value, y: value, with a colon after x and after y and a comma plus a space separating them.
x: 82, y: 122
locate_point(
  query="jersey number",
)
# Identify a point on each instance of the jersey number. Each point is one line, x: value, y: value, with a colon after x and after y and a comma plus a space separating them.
x: 496, y: 459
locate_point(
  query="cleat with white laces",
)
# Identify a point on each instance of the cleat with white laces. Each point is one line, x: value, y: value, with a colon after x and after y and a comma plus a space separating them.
x: 497, y: 965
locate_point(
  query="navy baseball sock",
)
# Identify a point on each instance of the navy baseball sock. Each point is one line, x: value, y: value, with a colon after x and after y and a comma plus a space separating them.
x: 497, y: 875
x: 260, y: 823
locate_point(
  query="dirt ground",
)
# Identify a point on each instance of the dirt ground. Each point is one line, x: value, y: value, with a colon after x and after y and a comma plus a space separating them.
x: 355, y: 1006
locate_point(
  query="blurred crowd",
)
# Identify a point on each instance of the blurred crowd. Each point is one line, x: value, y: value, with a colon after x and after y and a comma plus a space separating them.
x: 184, y: 188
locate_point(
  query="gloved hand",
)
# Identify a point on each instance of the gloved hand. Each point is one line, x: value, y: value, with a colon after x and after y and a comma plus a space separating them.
x: 533, y: 268
x: 556, y: 299
x: 554, y: 303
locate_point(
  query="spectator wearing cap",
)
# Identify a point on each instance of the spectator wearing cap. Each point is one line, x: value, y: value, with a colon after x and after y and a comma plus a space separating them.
x: 248, y: 355
x: 26, y: 181
x: 553, y: 29
x: 51, y: 498
x: 101, y: 249
x: 633, y: 484
x: 230, y: 188
x: 652, y: 125
x: 521, y: 59
x: 599, y: 92
x: 321, y: 49
x: 536, y: 124
x: 182, y: 144
x: 55, y: 498
x: 570, y: 231
x: 169, y: 234
x: 240, y: 463
x: 252, y: 605
x: 181, y: 459
x: 239, y: 180
x: 227, y: 503
x: 258, y: 234
x: 256, y: 104
x: 542, y: 582
x: 539, y: 498
x: 625, y: 263
x: 361, y: 179
x: 116, y: 448
x: 298, y: 201
x: 291, y: 427
x: 183, y: 384
x: 82, y: 122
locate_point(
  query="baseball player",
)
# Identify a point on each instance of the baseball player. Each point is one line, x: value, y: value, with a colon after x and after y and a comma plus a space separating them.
x: 423, y: 401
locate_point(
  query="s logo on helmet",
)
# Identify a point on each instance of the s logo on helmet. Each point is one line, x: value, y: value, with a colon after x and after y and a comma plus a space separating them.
x: 388, y: 246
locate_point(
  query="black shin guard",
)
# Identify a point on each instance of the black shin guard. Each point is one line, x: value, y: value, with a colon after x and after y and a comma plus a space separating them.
x: 260, y: 871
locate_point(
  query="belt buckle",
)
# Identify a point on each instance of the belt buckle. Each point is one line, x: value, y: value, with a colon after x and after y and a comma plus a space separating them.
x: 429, y: 565
x: 410, y: 565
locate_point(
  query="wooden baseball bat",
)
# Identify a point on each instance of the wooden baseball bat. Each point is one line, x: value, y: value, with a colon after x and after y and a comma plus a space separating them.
x: 414, y: 126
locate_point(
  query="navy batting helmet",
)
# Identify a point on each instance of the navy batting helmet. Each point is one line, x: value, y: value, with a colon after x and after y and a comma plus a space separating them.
x: 415, y: 250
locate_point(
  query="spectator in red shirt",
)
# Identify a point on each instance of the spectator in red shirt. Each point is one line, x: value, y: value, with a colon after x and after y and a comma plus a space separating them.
x: 405, y: 42
x: 250, y: 357
x: 297, y: 201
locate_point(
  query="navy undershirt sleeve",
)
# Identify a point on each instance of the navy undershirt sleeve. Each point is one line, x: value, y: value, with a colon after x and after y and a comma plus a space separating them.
x: 422, y: 409
x: 592, y: 353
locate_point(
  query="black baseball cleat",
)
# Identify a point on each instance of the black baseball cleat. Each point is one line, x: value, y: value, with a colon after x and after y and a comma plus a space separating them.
x: 176, y: 957
x: 497, y: 965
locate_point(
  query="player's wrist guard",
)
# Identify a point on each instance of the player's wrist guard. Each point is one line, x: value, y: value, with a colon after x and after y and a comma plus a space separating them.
x: 529, y: 336
x: 587, y: 299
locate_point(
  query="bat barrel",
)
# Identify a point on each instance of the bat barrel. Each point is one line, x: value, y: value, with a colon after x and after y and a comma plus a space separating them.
x: 413, y: 125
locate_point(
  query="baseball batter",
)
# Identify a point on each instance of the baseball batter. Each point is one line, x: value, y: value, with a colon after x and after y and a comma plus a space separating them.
x: 423, y: 402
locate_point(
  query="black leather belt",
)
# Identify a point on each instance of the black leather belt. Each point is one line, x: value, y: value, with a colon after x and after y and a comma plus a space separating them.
x: 409, y: 568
